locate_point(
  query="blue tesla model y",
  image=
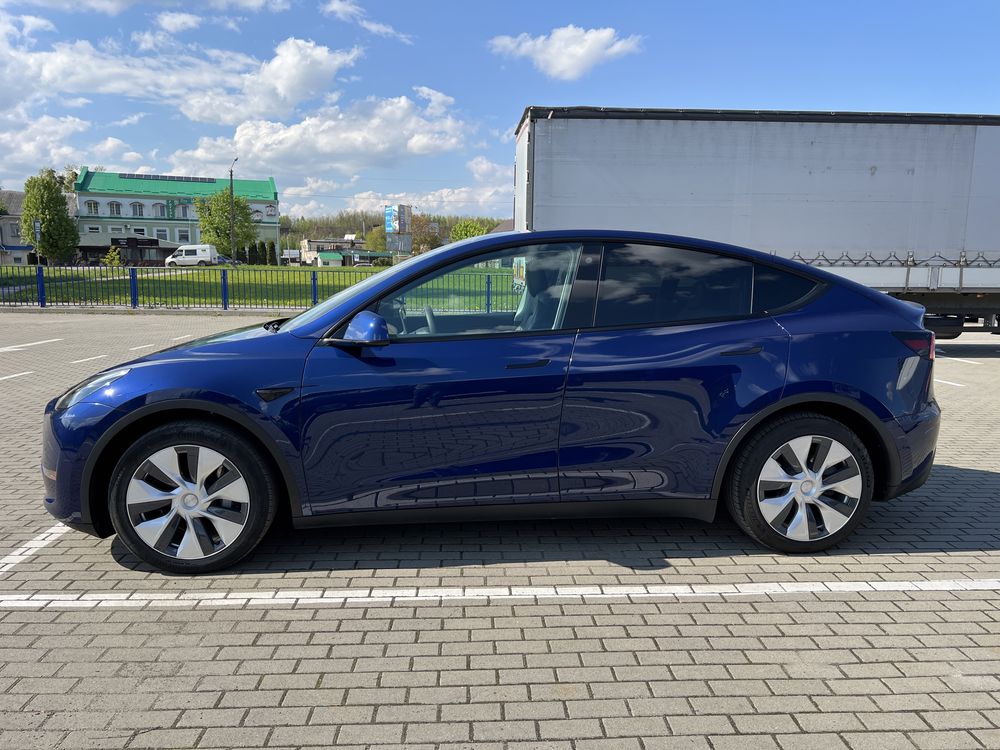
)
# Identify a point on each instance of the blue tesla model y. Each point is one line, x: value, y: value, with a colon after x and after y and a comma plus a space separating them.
x: 533, y: 374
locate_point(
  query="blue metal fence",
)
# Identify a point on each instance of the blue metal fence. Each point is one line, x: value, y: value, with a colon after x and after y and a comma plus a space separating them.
x: 234, y: 288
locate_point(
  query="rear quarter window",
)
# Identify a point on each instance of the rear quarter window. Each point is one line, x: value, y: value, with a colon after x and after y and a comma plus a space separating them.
x: 774, y: 289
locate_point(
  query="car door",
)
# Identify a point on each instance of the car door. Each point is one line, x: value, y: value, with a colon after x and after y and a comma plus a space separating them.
x: 674, y: 364
x: 462, y: 406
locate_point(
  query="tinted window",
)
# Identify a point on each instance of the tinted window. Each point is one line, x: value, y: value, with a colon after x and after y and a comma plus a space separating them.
x: 649, y: 284
x: 519, y: 289
x: 774, y: 289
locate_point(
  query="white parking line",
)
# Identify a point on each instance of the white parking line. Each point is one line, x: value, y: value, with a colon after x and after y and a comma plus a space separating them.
x: 144, y: 346
x: 88, y: 359
x: 19, y: 347
x: 959, y: 359
x: 29, y: 549
x: 17, y: 375
x: 948, y: 382
x: 178, y: 338
x: 285, y: 598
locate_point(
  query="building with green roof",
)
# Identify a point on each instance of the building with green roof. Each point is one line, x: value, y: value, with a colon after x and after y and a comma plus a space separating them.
x: 151, y: 215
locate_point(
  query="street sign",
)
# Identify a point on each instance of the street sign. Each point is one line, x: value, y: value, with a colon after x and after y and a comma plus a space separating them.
x: 38, y: 230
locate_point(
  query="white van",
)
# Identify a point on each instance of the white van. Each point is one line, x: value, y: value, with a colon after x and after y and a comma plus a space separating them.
x: 193, y: 255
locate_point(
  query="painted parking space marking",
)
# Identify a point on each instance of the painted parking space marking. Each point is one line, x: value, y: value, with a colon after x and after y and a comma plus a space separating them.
x: 17, y: 375
x: 948, y: 382
x: 959, y: 359
x: 178, y: 338
x: 143, y: 346
x: 88, y: 359
x: 29, y: 549
x: 21, y: 347
x: 285, y: 598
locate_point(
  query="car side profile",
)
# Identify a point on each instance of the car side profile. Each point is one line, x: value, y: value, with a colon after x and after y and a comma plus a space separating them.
x: 516, y: 374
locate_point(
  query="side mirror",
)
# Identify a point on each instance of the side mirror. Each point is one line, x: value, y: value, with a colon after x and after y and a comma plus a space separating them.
x: 365, y: 329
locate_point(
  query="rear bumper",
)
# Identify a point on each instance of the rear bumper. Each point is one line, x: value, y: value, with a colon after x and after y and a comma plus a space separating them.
x: 916, y: 445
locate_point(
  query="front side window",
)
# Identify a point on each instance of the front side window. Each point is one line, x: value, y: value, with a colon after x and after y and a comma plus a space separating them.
x: 137, y: 209
x: 519, y: 289
x: 92, y: 208
x: 114, y: 208
x: 652, y: 285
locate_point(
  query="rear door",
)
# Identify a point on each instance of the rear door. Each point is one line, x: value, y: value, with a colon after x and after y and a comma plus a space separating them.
x: 674, y: 363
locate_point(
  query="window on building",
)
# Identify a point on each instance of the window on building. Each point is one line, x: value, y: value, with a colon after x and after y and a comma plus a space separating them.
x: 160, y: 210
x: 651, y: 284
x: 15, y: 230
x: 160, y: 234
x: 93, y: 208
x: 136, y: 209
x: 114, y: 208
x: 17, y: 259
x: 91, y: 229
x: 140, y: 231
x: 116, y: 230
x: 183, y: 211
x: 183, y: 235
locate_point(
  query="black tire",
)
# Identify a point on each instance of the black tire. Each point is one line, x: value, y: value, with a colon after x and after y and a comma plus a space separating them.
x: 202, y: 263
x: 741, y: 486
x: 236, y: 449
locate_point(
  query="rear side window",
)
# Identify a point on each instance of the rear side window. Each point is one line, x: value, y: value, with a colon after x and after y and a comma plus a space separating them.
x: 774, y: 289
x: 651, y: 284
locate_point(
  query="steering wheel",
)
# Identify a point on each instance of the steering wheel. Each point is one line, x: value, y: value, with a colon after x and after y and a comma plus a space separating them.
x: 431, y: 322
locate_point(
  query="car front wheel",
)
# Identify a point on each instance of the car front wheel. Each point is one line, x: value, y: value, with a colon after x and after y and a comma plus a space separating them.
x: 192, y: 497
x: 802, y: 483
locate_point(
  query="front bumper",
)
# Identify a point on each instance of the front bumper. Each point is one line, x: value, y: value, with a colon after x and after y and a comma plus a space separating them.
x: 68, y: 437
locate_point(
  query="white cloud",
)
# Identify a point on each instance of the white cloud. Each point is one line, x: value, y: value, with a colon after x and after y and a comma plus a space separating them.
x: 316, y: 186
x: 305, y: 210
x: 345, y: 140
x: 437, y: 103
x: 132, y: 119
x: 350, y: 12
x: 300, y: 70
x: 174, y: 22
x: 114, y: 7
x: 109, y: 148
x: 39, y: 142
x: 493, y: 194
x: 568, y: 52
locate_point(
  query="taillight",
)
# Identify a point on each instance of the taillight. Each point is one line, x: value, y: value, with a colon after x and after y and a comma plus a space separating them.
x: 921, y: 342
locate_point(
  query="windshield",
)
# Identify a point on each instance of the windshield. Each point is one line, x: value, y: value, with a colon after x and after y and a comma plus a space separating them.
x: 344, y: 295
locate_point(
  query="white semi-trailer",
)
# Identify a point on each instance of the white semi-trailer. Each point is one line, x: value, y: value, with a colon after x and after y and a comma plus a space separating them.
x: 905, y: 203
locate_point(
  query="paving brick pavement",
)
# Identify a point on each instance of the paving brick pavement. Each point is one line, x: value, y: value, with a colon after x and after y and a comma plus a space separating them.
x: 903, y: 667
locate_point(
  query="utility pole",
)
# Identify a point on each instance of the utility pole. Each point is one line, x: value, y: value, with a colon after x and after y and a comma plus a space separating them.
x: 232, y: 211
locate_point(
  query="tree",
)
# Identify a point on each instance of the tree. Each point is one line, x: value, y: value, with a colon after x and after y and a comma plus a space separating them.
x: 112, y: 258
x: 213, y: 218
x: 468, y: 228
x: 251, y: 252
x: 271, y: 255
x: 375, y: 239
x: 425, y: 237
x: 262, y: 253
x: 44, y: 201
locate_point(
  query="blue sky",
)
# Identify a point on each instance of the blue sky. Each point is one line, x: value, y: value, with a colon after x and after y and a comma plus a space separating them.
x: 358, y: 103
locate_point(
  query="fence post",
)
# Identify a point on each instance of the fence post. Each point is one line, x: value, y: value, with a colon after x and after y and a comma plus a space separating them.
x: 489, y: 293
x: 40, y: 281
x: 315, y: 288
x: 225, y: 289
x: 133, y: 286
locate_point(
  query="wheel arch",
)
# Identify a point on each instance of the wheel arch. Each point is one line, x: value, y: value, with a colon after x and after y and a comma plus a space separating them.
x: 104, y: 455
x: 868, y: 427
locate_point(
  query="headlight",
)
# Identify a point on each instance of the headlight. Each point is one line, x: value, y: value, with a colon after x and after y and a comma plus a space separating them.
x: 89, y: 387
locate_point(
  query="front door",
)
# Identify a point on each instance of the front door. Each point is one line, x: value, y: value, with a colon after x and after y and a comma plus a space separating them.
x: 462, y: 406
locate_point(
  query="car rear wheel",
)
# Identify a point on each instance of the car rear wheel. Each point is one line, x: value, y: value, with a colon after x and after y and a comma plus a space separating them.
x: 802, y: 483
x: 192, y: 497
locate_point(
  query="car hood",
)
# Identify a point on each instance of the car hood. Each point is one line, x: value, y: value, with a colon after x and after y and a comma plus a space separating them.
x: 246, y: 341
